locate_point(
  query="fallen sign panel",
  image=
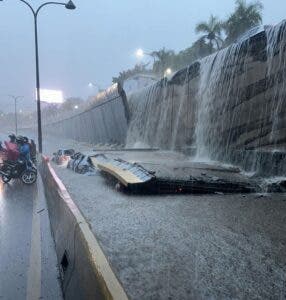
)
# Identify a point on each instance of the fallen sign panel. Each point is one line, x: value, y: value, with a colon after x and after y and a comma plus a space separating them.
x: 127, y: 173
x: 155, y: 179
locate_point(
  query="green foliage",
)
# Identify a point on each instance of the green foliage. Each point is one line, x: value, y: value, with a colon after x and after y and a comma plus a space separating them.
x: 163, y: 59
x: 185, y: 57
x: 212, y: 32
x: 56, y: 110
x: 70, y: 104
x: 138, y: 69
x: 242, y: 19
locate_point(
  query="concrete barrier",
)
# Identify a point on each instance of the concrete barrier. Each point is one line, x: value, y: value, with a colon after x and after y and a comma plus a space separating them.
x: 84, y: 269
x: 104, y: 121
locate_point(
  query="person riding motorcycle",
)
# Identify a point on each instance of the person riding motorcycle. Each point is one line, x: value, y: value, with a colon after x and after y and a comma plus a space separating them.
x: 12, y: 148
x: 21, y: 168
x: 24, y: 148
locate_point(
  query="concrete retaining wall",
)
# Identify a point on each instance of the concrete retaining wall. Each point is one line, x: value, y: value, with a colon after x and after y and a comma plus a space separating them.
x: 237, y: 96
x: 85, y: 271
x: 232, y: 101
x: 105, y: 121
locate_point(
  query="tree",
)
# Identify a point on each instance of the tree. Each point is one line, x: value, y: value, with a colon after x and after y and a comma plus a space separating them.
x: 198, y: 50
x: 71, y: 103
x: 138, y: 69
x: 212, y: 32
x: 163, y: 59
x: 244, y: 17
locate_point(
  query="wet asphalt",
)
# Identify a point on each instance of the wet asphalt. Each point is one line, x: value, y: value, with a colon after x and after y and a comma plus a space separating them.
x: 187, y: 246
x: 28, y: 264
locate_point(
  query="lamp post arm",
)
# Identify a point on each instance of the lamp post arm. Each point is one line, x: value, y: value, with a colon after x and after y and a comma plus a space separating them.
x: 47, y: 3
x: 30, y: 6
x: 15, y: 97
x: 68, y: 5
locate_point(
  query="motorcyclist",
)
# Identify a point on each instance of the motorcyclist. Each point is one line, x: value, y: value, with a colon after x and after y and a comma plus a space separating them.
x: 21, y: 168
x: 24, y: 149
x: 12, y: 148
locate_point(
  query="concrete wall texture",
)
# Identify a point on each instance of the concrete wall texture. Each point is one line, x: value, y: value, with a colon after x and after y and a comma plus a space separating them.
x: 220, y: 107
x: 233, y: 98
x: 105, y: 121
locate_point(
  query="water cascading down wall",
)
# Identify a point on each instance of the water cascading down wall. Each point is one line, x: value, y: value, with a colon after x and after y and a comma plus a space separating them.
x: 105, y: 121
x: 230, y: 106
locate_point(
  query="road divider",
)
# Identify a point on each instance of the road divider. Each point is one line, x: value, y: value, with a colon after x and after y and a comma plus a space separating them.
x: 85, y: 270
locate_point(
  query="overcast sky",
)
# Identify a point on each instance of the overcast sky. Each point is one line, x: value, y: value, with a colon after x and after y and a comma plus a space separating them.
x: 97, y: 40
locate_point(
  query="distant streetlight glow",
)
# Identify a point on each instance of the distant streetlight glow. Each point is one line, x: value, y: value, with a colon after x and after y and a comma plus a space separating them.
x: 140, y: 53
x: 92, y: 85
x: 168, y: 72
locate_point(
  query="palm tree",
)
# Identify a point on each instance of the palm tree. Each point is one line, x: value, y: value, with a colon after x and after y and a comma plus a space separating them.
x: 212, y: 32
x: 163, y: 59
x: 244, y: 17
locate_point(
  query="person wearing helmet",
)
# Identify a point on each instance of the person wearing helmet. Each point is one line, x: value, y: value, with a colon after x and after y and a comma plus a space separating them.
x: 19, y: 139
x: 12, y: 138
x: 24, y: 148
x: 12, y: 148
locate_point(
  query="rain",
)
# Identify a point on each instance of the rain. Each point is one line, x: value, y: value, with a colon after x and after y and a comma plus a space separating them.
x: 142, y: 149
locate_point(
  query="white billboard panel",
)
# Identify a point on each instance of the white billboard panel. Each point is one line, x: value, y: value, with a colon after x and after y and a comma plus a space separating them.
x: 51, y: 96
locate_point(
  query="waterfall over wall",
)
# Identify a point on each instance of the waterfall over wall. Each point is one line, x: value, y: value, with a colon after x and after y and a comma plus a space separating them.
x: 163, y: 115
x: 228, y: 107
x: 223, y: 106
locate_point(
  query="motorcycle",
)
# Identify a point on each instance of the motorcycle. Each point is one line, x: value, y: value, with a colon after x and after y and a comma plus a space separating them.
x: 26, y: 171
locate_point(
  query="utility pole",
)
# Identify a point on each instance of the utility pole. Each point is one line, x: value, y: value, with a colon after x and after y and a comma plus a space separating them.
x: 68, y: 5
x: 16, y: 98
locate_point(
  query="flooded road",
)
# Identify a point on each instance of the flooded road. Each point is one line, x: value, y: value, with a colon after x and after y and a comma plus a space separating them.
x: 219, y: 246
x: 28, y: 265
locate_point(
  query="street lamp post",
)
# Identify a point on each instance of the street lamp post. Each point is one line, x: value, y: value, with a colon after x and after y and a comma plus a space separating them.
x: 16, y: 98
x: 68, y: 5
